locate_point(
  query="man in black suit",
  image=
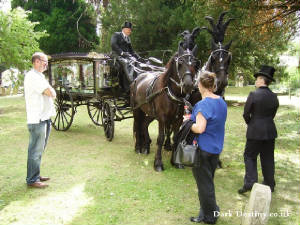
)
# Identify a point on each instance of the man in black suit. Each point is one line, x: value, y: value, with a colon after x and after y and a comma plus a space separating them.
x: 259, y: 112
x: 123, y: 52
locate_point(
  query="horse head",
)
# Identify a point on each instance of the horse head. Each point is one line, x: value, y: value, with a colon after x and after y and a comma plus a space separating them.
x: 218, y: 62
x: 184, y: 72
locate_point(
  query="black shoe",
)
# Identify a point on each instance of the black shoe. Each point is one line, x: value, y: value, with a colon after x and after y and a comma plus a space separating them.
x: 271, y: 187
x: 199, y: 218
x: 196, y: 219
x: 202, y: 220
x: 243, y: 190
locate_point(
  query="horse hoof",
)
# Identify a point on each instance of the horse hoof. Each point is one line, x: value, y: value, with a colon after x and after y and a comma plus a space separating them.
x: 168, y: 148
x: 145, y: 152
x: 138, y: 151
x: 159, y: 168
x: 179, y: 166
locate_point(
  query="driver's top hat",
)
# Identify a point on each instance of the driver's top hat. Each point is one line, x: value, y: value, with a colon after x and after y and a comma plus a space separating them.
x: 266, y: 71
x: 127, y: 25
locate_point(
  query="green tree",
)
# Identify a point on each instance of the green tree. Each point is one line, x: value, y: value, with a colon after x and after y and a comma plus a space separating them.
x: 18, y: 40
x: 156, y: 23
x: 260, y: 31
x: 71, y: 24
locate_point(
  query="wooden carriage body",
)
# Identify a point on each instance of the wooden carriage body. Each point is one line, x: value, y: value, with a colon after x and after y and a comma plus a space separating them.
x: 90, y: 79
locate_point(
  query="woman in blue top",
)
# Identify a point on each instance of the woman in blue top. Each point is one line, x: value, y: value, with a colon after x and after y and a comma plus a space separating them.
x: 209, y: 116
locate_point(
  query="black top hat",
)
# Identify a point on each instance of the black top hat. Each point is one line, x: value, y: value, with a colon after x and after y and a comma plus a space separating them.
x: 266, y: 71
x: 127, y: 25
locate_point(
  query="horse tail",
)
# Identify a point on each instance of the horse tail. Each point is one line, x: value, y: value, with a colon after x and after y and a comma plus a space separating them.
x: 133, y: 94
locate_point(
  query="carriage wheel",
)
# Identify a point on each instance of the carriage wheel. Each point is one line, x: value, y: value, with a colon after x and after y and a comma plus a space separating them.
x: 94, y: 110
x: 108, y: 122
x: 64, y: 110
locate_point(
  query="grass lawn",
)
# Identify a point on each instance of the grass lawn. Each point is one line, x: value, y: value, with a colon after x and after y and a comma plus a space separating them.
x: 239, y: 91
x: 98, y: 182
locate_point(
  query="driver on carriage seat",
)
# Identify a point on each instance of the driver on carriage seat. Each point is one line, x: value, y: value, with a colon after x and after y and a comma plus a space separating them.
x: 123, y: 52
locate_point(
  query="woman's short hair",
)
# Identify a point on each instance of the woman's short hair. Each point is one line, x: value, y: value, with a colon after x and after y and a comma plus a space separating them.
x: 266, y: 80
x: 207, y: 80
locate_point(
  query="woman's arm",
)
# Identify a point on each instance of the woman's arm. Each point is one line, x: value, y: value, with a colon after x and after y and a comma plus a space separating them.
x: 200, y: 125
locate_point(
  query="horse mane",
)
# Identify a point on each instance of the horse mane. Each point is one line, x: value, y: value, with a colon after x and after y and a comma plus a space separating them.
x: 170, y: 61
x: 166, y: 75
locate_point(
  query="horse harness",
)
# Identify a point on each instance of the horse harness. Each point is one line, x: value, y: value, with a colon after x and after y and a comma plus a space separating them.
x: 150, y: 94
x: 221, y: 50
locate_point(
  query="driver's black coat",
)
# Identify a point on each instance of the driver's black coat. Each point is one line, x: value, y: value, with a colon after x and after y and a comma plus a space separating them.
x: 119, y: 44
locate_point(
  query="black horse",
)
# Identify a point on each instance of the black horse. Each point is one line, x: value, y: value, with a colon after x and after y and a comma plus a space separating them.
x: 218, y: 61
x: 188, y: 43
x: 160, y: 96
x: 220, y: 57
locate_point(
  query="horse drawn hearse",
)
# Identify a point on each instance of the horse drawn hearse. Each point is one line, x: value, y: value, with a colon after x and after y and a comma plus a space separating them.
x: 91, y: 79
x: 158, y: 93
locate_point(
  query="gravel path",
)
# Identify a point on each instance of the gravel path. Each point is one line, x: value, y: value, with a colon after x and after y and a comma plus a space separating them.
x: 283, y: 100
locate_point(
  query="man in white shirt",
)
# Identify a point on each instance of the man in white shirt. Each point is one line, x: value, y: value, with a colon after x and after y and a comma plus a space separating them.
x: 39, y: 96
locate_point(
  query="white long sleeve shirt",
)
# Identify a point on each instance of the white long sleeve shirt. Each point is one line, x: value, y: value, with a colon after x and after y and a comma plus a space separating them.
x: 39, y: 107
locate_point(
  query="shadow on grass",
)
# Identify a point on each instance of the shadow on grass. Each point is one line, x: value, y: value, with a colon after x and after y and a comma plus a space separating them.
x: 232, y: 103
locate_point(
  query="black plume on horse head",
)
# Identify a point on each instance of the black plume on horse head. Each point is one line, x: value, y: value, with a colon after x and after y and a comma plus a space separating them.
x: 181, y: 49
x: 189, y: 38
x: 218, y: 30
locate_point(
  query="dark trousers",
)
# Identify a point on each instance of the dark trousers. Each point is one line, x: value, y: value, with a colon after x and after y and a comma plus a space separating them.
x: 204, y: 176
x: 264, y: 148
x: 128, y: 72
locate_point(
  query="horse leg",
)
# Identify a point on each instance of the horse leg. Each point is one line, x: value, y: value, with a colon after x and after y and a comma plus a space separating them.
x: 138, y: 130
x: 158, y: 164
x: 175, y: 130
x: 146, y: 137
x: 167, y: 144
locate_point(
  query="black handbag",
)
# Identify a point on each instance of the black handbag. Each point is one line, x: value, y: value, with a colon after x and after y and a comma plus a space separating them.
x: 186, y: 154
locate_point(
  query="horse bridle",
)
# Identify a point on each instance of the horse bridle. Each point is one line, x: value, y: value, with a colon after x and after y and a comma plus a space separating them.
x: 180, y: 85
x: 221, y: 58
x: 222, y: 68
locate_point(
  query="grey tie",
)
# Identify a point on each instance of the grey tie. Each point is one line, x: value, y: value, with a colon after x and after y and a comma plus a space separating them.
x: 126, y: 38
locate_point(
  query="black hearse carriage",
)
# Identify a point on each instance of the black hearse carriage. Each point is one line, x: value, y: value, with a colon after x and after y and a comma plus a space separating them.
x: 89, y: 79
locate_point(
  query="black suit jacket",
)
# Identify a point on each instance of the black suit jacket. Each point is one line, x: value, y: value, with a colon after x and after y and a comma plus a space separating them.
x: 259, y: 111
x: 119, y: 44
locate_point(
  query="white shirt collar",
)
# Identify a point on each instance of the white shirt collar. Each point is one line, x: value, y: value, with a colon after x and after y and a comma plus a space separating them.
x: 124, y: 35
x: 39, y: 73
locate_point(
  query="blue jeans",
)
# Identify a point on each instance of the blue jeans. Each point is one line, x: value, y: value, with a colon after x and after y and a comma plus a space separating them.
x: 38, y: 138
